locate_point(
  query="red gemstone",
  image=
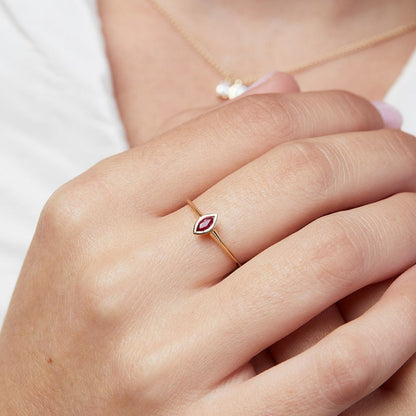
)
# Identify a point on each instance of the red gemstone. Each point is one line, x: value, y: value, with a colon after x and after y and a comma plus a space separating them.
x: 205, y: 224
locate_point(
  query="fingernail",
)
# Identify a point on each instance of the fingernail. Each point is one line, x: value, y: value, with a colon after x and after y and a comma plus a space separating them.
x: 261, y: 80
x: 392, y: 117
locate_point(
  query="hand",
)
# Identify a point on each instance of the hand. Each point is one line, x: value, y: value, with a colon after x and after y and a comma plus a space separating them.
x: 119, y: 309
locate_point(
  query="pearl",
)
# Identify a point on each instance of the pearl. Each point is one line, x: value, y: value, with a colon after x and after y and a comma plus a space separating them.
x: 222, y: 89
x: 226, y: 90
x: 236, y: 89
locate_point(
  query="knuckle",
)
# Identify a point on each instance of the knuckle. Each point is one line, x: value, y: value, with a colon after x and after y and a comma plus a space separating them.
x: 101, y: 302
x: 346, y: 368
x: 408, y: 199
x: 360, y: 113
x: 308, y: 163
x: 348, y: 98
x: 60, y: 215
x: 406, y: 204
x: 405, y: 291
x: 144, y: 371
x: 335, y: 239
x: 106, y: 289
x: 349, y: 103
x: 263, y: 116
x: 135, y: 373
x: 403, y: 145
x: 71, y: 206
x: 407, y: 304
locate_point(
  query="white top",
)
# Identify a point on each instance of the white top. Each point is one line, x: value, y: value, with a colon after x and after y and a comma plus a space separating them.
x: 58, y: 115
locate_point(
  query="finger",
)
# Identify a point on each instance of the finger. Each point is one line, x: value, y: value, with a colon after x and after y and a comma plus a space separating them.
x: 307, y: 335
x: 300, y: 340
x: 294, y: 280
x: 404, y: 381
x: 395, y: 397
x: 287, y: 188
x: 183, y: 163
x: 345, y: 366
x: 360, y: 301
x: 274, y: 82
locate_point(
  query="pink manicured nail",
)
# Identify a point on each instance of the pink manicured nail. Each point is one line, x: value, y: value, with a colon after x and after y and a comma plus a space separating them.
x: 392, y: 117
x: 261, y: 80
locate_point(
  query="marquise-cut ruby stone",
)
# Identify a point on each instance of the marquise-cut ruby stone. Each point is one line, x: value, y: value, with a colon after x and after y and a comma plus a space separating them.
x: 205, y: 224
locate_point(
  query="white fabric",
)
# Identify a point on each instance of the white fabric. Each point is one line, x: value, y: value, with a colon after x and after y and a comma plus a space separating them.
x: 58, y: 115
x: 403, y: 95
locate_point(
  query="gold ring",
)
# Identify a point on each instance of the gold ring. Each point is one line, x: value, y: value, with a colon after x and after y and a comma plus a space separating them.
x: 205, y: 225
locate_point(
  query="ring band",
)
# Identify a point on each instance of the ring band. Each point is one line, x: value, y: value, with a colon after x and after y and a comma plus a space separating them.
x: 205, y: 225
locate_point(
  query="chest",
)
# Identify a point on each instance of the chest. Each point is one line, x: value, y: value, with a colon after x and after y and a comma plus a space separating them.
x: 161, y: 81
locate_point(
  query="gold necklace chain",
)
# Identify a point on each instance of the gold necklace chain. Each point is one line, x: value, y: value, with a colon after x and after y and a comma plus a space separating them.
x: 233, y: 86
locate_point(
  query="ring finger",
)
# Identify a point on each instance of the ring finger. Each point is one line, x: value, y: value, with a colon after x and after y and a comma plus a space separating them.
x: 287, y: 188
x: 283, y: 287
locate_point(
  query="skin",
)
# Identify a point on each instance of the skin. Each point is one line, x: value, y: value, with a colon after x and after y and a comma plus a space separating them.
x: 141, y: 44
x: 108, y: 319
x: 320, y: 26
x: 131, y: 369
